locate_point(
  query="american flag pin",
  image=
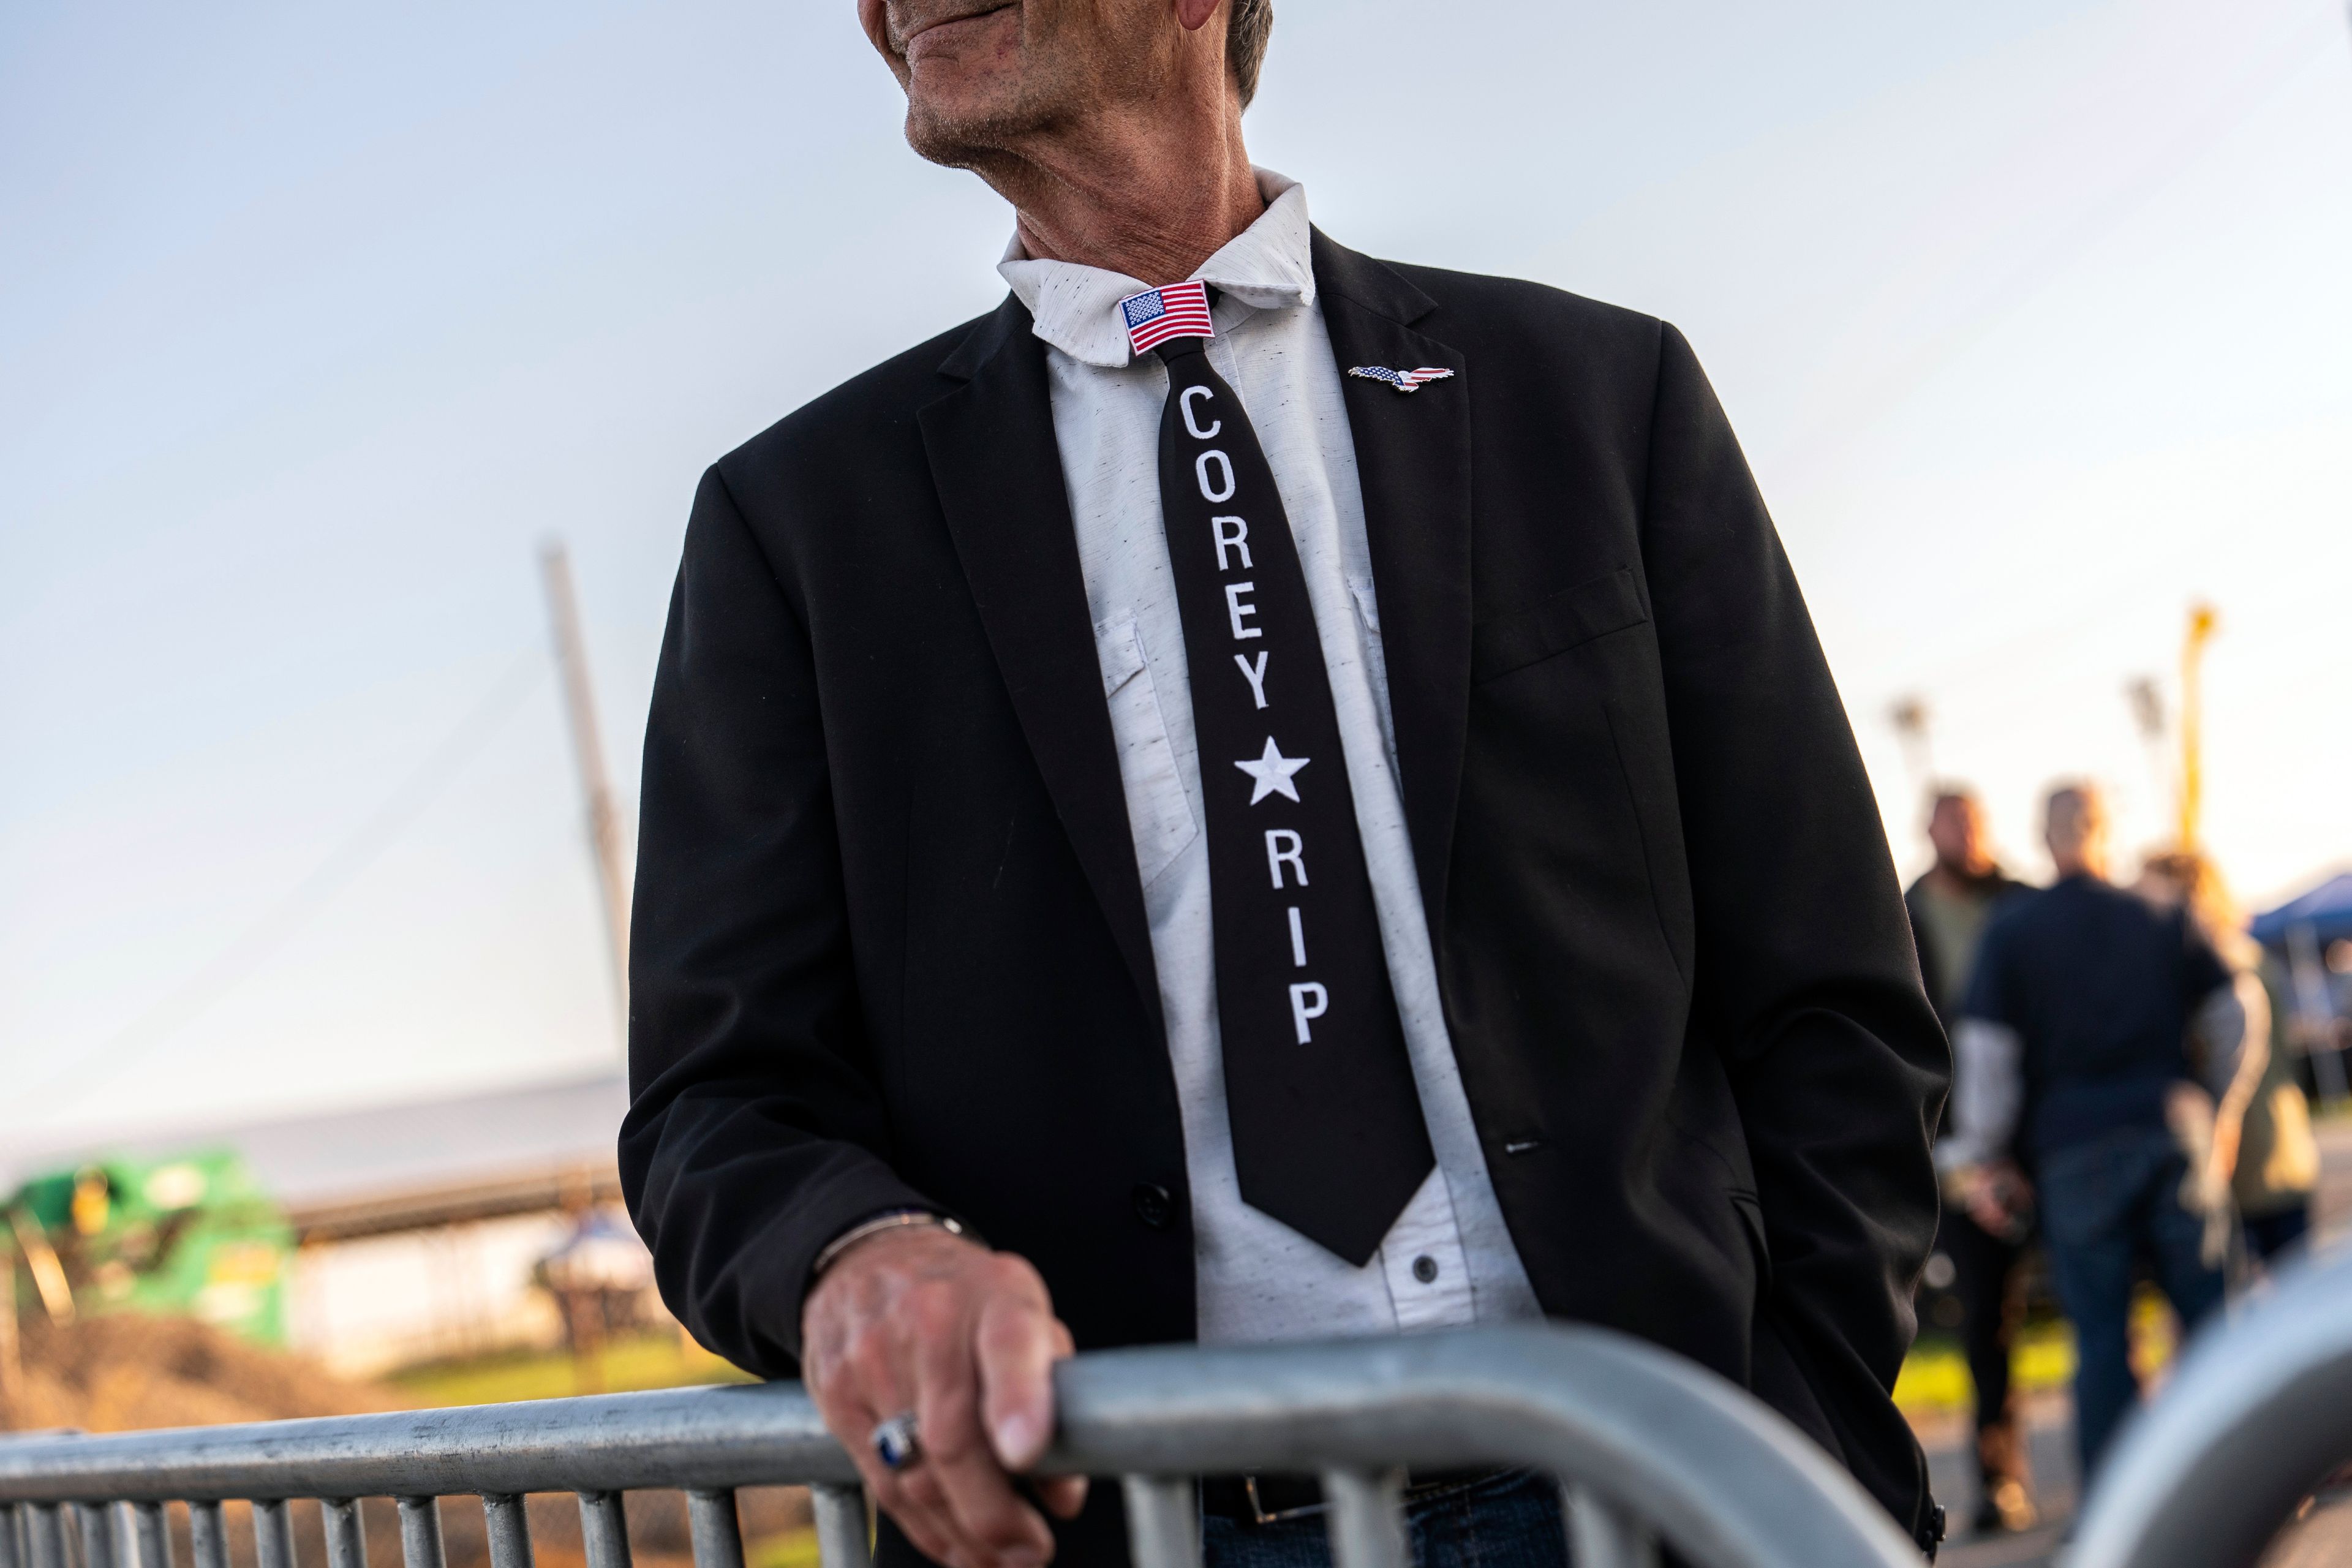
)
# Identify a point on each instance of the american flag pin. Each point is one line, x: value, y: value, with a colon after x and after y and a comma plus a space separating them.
x: 1156, y: 315
x: 1402, y: 380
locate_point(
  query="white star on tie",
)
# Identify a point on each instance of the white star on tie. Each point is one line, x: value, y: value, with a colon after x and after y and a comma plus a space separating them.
x: 1273, y: 770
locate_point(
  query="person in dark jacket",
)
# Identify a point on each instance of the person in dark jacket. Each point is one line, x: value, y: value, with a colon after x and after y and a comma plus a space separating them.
x: 1949, y: 905
x: 2089, y: 1023
x: 1427, y: 628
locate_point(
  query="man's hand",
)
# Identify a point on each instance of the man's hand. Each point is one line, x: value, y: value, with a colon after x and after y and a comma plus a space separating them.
x: 924, y: 1321
x: 1996, y: 1195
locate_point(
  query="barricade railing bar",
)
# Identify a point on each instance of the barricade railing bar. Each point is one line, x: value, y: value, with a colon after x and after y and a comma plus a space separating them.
x: 2258, y: 1414
x: 1646, y: 1446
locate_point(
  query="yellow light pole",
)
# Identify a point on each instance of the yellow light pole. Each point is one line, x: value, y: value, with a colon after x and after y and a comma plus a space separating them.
x: 2201, y: 624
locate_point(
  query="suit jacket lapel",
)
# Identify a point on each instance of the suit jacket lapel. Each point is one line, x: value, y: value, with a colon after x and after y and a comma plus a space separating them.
x: 1412, y: 458
x: 999, y: 474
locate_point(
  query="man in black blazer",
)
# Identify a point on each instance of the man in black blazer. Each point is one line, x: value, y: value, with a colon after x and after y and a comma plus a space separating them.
x: 926, y: 999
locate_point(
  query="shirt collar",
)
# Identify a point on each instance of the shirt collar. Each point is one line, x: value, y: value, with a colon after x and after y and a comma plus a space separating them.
x: 1266, y: 267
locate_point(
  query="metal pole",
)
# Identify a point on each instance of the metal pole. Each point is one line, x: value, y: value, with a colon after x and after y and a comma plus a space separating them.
x: 2201, y: 621
x: 154, y: 1532
x: 1367, y: 1517
x: 44, y: 1534
x: 1601, y: 1536
x: 509, y: 1528
x: 98, y: 1536
x: 420, y: 1533
x: 207, y: 1535
x: 604, y: 1530
x: 1163, y: 1521
x: 588, y: 751
x: 719, y: 1534
x: 346, y: 1534
x: 840, y: 1526
x: 273, y: 1534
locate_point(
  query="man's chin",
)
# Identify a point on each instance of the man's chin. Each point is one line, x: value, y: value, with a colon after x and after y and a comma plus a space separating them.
x: 955, y: 128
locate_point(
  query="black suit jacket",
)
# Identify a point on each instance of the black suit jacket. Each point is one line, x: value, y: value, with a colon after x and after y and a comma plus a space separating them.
x: 890, y: 945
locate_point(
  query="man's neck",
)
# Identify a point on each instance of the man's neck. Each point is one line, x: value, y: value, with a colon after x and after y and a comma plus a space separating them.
x: 1147, y: 200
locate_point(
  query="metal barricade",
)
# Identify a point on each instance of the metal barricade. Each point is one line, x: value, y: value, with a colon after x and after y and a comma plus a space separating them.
x: 2259, y: 1413
x: 1647, y: 1446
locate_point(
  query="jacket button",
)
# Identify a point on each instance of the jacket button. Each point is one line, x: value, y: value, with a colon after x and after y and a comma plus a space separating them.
x: 1154, y: 1205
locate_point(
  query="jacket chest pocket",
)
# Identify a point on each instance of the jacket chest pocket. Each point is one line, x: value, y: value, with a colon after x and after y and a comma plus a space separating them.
x: 1158, y: 813
x: 1569, y: 618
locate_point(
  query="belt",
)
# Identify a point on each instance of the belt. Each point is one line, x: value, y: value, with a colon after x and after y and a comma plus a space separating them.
x: 1266, y: 1499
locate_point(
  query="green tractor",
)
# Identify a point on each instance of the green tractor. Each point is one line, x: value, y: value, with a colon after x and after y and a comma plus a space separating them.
x: 190, y: 1236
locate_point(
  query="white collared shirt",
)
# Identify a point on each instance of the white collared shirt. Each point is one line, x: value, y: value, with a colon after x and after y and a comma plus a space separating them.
x: 1256, y: 1278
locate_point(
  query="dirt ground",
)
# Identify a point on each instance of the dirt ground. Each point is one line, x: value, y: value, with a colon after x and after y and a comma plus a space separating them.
x: 129, y: 1372
x: 132, y: 1372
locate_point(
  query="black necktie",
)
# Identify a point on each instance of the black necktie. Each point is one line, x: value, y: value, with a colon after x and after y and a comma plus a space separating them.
x: 1327, y: 1131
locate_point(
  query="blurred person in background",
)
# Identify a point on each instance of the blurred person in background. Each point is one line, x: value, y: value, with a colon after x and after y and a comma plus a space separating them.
x: 1984, y: 1242
x: 2262, y: 1144
x: 2074, y: 1050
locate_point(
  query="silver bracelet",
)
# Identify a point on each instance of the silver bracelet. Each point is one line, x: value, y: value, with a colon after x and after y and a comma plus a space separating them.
x: 895, y: 1219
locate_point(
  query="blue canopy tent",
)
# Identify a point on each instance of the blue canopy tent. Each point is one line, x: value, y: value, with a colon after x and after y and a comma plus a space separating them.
x: 2326, y: 908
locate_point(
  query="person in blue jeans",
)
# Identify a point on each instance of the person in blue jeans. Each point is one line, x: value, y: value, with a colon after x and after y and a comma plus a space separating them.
x: 2090, y: 1024
x: 1509, y: 1518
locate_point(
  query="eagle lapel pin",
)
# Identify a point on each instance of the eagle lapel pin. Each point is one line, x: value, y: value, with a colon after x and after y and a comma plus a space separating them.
x: 1402, y: 380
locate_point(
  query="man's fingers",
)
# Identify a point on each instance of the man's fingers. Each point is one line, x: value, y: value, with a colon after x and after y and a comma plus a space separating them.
x: 1018, y: 1344
x: 913, y: 1500
x: 978, y: 1494
x: 867, y: 1387
x: 930, y: 1532
x: 1063, y: 1496
x: 899, y: 1328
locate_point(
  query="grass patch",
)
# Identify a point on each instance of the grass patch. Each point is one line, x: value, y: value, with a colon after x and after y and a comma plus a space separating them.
x: 788, y: 1548
x: 1935, y: 1375
x: 659, y: 1359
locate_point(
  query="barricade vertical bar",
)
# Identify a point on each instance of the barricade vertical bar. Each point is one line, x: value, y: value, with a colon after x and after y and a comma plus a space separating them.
x: 154, y: 1535
x: 12, y: 1556
x: 1367, y: 1517
x: 509, y: 1531
x: 718, y: 1537
x: 273, y: 1534
x: 420, y: 1533
x: 207, y: 1535
x: 45, y: 1535
x: 1602, y: 1535
x: 122, y: 1535
x: 1163, y: 1521
x: 604, y: 1530
x: 97, y: 1535
x: 346, y: 1535
x: 840, y: 1526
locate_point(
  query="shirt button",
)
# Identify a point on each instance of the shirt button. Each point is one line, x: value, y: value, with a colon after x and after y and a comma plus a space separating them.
x: 1425, y: 1269
x: 1154, y: 1205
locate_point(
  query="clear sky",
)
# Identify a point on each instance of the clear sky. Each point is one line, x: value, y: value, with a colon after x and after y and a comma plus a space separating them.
x: 2034, y: 315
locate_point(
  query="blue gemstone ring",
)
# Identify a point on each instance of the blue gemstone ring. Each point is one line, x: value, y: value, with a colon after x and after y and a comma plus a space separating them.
x: 896, y: 1443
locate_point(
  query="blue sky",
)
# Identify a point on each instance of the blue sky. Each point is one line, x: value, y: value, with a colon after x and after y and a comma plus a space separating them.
x: 314, y: 321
